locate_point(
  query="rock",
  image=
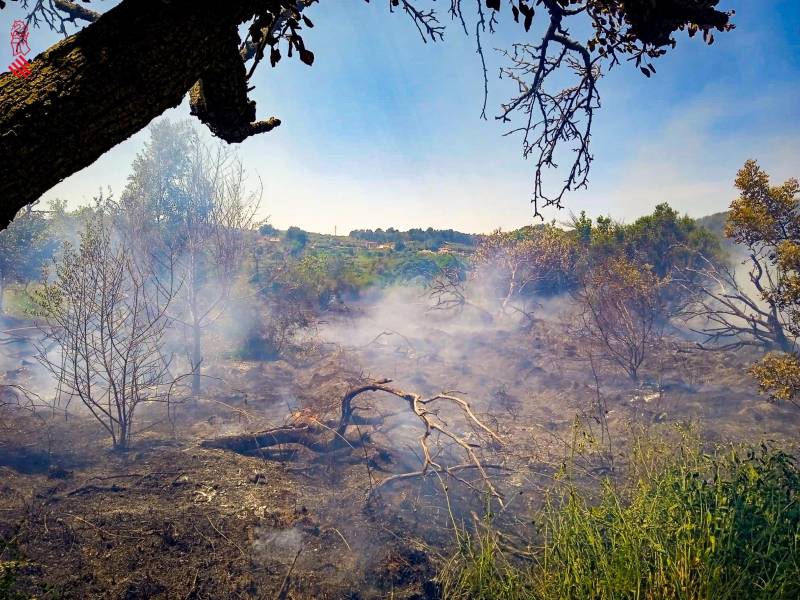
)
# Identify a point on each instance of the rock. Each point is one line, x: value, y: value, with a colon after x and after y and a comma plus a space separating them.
x: 257, y: 477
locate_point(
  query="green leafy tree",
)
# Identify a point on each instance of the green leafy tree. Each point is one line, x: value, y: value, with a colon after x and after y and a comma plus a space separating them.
x: 765, y: 220
x: 267, y: 229
x: 297, y: 240
x: 669, y: 242
x: 25, y: 246
x: 665, y: 240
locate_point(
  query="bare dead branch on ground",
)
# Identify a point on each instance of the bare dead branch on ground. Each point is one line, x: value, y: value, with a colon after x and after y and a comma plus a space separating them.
x: 325, y: 438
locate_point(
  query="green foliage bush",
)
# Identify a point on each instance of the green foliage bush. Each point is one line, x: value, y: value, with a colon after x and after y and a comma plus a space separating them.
x: 719, y: 526
x: 267, y: 229
x: 663, y: 239
x: 427, y: 238
x: 25, y: 247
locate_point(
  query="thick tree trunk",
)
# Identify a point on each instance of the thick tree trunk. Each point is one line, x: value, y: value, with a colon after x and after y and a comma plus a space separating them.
x: 194, y: 314
x: 98, y: 87
x: 781, y: 341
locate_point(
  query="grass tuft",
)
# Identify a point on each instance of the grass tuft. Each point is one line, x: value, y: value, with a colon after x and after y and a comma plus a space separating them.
x: 695, y: 526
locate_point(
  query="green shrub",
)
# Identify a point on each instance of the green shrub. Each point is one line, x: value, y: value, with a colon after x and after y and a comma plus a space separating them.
x: 10, y: 564
x: 721, y: 526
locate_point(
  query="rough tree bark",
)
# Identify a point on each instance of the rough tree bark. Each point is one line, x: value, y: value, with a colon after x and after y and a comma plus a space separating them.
x: 98, y: 87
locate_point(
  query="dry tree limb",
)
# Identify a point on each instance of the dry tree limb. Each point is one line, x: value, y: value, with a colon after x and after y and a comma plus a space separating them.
x: 284, y: 591
x: 312, y: 438
x: 448, y: 293
x: 449, y: 471
x: 225, y: 537
x: 731, y: 317
x: 323, y: 438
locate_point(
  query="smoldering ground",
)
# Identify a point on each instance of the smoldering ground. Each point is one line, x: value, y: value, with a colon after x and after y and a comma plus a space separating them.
x: 225, y: 521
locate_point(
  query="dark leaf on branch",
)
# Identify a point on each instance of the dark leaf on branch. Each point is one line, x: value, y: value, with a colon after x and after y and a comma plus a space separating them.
x: 528, y: 21
x: 307, y: 56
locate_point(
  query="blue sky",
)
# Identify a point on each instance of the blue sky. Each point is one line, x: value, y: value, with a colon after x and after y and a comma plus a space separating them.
x: 384, y: 130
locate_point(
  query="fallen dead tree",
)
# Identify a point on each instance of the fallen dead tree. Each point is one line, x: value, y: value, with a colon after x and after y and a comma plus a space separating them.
x: 335, y: 436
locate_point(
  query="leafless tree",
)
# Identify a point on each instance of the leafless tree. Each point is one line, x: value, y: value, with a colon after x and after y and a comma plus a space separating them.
x: 219, y: 214
x: 106, y: 315
x: 729, y: 316
x: 448, y: 292
x: 510, y: 266
x: 191, y: 220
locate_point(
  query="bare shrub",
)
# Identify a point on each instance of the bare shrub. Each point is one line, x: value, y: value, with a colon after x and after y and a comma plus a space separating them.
x: 321, y: 435
x: 620, y: 311
x: 106, y: 315
x: 514, y: 267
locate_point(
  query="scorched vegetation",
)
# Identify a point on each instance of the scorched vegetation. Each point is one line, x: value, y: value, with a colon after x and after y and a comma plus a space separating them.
x: 196, y: 404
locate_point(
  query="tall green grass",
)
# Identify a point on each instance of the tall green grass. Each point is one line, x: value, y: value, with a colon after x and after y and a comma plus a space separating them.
x: 694, y: 526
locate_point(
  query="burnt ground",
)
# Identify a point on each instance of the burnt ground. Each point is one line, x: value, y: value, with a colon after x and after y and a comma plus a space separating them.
x: 170, y: 519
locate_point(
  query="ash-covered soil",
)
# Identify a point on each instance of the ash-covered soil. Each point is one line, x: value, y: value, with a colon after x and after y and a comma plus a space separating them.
x: 170, y: 519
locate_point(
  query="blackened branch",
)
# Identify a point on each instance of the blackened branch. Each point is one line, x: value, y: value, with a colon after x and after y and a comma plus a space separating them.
x: 480, y: 26
x: 426, y: 21
x: 553, y: 119
x: 57, y: 13
x: 558, y: 122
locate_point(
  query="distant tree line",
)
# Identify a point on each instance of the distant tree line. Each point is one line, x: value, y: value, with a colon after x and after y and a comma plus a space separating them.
x: 429, y: 238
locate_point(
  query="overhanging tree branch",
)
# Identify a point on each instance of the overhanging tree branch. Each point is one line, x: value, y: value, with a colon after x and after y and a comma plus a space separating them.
x: 100, y: 86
